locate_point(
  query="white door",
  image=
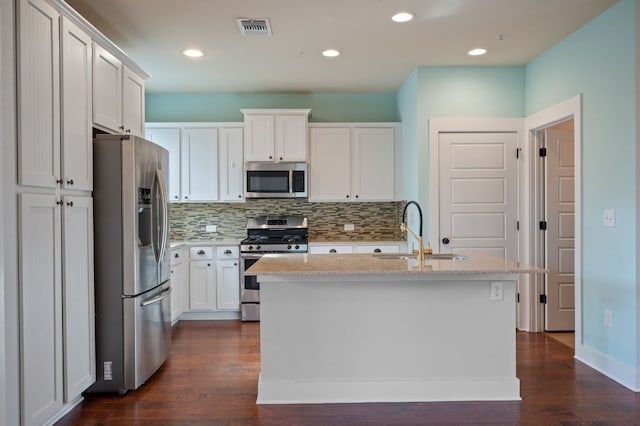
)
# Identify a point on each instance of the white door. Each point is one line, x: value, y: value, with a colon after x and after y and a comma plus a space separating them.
x: 478, y: 193
x: 77, y: 147
x: 78, y: 296
x: 231, y: 165
x: 107, y: 90
x: 199, y: 164
x: 169, y: 139
x: 373, y: 164
x: 228, y: 290
x: 38, y: 91
x: 560, y: 235
x: 132, y: 102
x: 40, y: 275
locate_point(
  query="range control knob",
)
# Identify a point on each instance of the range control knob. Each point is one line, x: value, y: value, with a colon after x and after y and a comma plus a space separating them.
x: 289, y: 247
x: 297, y: 247
x: 258, y: 247
x: 250, y: 248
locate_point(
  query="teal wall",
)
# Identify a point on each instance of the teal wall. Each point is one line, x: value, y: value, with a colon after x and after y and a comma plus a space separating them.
x: 598, y: 61
x: 226, y: 107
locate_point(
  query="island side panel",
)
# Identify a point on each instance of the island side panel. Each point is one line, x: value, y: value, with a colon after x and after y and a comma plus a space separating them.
x: 377, y: 338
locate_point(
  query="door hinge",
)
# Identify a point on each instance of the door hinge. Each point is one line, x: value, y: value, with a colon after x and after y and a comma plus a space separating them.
x: 518, y: 298
x: 543, y: 225
x: 518, y: 152
x: 543, y: 152
x: 543, y: 298
x: 517, y: 225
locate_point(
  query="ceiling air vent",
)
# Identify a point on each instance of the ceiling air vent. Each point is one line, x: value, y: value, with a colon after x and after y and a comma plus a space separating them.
x: 254, y: 26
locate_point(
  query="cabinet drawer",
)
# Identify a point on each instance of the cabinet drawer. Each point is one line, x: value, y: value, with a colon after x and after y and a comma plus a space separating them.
x: 331, y: 249
x: 228, y: 252
x: 198, y: 253
x: 177, y: 256
x: 378, y: 248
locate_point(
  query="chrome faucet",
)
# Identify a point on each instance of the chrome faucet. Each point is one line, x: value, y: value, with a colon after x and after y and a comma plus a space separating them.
x: 405, y: 228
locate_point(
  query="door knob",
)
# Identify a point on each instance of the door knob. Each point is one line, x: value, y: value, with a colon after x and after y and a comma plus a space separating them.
x: 445, y: 241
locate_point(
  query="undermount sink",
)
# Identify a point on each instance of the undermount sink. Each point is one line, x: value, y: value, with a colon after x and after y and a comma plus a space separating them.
x: 435, y: 256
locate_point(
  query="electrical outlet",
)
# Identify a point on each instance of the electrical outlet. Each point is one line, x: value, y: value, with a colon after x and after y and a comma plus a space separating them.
x: 211, y: 228
x: 496, y: 291
x: 608, y: 318
x: 349, y: 227
x: 609, y: 218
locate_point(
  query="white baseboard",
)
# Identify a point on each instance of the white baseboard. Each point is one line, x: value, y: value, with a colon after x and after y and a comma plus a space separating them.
x: 612, y: 368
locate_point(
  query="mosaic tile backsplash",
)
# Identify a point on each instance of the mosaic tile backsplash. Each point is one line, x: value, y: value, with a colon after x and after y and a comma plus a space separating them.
x: 373, y: 221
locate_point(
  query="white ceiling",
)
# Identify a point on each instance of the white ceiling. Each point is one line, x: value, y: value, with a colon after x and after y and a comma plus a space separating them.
x: 377, y: 54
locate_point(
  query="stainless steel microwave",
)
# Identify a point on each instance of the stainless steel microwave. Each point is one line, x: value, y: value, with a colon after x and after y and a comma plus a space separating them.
x: 275, y: 180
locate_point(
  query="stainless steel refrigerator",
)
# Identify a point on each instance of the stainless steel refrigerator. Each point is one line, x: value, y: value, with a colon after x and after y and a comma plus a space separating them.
x: 132, y: 264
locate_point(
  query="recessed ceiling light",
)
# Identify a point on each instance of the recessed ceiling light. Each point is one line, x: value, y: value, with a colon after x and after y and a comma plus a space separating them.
x: 193, y: 53
x: 402, y: 17
x: 331, y: 53
x: 477, y: 52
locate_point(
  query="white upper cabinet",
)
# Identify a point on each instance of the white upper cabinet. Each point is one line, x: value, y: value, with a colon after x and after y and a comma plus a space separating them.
x: 118, y: 95
x: 107, y: 90
x: 169, y: 139
x: 330, y: 164
x: 275, y: 135
x: 199, y: 157
x: 372, y: 164
x: 231, y: 165
x: 205, y: 160
x: 38, y: 94
x: 76, y: 142
x: 132, y: 102
x: 352, y: 163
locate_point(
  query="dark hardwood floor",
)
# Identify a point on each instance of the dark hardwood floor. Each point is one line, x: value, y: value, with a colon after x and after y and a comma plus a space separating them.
x: 212, y: 374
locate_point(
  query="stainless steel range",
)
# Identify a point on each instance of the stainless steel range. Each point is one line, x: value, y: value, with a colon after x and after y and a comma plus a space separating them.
x: 267, y: 234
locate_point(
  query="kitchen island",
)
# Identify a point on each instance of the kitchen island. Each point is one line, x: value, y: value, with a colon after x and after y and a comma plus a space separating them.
x: 346, y: 328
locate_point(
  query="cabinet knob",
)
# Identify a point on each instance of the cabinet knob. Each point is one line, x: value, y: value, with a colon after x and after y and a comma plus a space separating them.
x: 235, y: 263
x: 120, y: 127
x: 357, y: 196
x: 208, y: 264
x: 445, y: 241
x: 70, y: 182
x: 175, y: 197
x: 332, y: 251
x: 176, y: 255
x: 186, y: 198
x: 240, y: 196
x: 59, y: 181
x: 59, y: 202
x: 200, y: 251
x: 280, y: 158
x: 70, y: 203
x: 347, y: 195
x: 377, y: 250
x: 227, y: 252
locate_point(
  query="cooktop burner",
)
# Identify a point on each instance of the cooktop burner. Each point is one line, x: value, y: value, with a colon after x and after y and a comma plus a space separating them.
x: 276, y: 234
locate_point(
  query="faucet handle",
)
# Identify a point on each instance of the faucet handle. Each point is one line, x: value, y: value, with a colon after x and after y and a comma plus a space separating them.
x: 428, y: 250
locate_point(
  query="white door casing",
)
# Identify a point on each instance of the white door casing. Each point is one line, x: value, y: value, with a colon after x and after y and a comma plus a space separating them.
x: 560, y: 234
x: 478, y: 193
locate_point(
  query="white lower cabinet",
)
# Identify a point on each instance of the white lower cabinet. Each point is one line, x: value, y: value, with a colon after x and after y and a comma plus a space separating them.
x: 346, y: 248
x: 228, y: 284
x: 179, y: 284
x: 202, y: 279
x: 56, y: 302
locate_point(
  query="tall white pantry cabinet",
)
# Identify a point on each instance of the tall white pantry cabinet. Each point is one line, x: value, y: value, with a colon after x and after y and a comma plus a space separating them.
x: 55, y: 207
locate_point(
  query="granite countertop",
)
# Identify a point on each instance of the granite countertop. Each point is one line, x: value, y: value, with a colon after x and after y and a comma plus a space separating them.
x: 367, y: 264
x: 351, y: 241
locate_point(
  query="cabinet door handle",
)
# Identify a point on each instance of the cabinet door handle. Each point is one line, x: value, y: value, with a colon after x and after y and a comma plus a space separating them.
x: 227, y: 252
x: 59, y: 181
x: 377, y: 250
x: 332, y: 251
x: 70, y: 182
x: 200, y: 251
x: 70, y: 203
x: 176, y: 255
x: 59, y: 202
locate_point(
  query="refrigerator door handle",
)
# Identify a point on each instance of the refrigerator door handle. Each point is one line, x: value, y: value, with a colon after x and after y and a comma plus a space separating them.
x: 160, y: 244
x: 157, y: 298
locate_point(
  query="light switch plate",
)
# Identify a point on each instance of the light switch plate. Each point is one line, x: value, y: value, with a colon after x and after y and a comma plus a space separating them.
x: 609, y: 218
x: 211, y: 228
x: 349, y: 227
